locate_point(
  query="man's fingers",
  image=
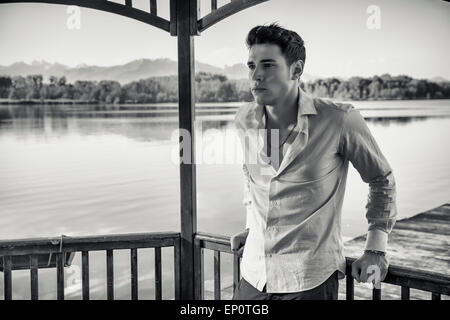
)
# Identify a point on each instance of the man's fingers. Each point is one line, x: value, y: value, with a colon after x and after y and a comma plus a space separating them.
x: 355, y: 271
x: 363, y: 274
x: 237, y: 243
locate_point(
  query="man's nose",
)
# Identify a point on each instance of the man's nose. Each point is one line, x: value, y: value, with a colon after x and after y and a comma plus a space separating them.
x: 256, y: 74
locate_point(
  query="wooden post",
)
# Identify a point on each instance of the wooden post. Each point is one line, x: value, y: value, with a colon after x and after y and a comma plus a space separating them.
x: 34, y: 277
x: 187, y: 12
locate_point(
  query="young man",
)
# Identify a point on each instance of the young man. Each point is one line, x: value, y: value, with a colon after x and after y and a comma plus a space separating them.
x: 295, y: 188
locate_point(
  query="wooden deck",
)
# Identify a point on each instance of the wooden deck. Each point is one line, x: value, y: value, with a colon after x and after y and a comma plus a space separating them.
x: 419, y: 242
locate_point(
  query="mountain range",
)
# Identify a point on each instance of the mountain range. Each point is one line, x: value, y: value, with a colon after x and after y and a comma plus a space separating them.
x: 124, y: 73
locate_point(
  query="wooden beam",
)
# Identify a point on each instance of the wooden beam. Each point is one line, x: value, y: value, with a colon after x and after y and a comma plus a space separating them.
x: 349, y: 283
x: 85, y: 274
x: 7, y: 277
x: 153, y: 7
x: 60, y: 276
x: 34, y: 277
x: 173, y: 17
x: 188, y: 194
x: 158, y: 274
x: 177, y: 268
x: 199, y: 268
x: 225, y: 11
x: 405, y: 293
x: 134, y: 273
x: 236, y: 271
x: 108, y: 6
x: 376, y: 294
x: 110, y: 274
x: 217, y: 285
x: 88, y: 243
x: 194, y: 15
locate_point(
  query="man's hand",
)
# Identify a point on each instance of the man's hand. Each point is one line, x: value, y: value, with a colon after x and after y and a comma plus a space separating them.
x: 238, y: 241
x: 370, y: 266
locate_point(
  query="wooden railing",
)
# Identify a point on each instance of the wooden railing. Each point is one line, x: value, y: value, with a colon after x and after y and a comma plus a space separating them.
x: 435, y: 283
x: 219, y: 244
x: 34, y: 254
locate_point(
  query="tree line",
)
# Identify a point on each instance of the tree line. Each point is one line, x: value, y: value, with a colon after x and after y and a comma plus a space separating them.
x: 384, y: 87
x: 213, y: 88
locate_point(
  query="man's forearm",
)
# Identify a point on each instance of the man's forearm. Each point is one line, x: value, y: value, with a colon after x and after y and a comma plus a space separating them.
x: 381, y: 212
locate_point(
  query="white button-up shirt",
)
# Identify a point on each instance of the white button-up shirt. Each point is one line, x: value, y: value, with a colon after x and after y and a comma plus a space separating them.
x: 294, y: 206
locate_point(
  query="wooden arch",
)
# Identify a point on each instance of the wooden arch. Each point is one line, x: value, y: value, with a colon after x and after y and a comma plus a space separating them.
x: 151, y: 18
x: 184, y: 24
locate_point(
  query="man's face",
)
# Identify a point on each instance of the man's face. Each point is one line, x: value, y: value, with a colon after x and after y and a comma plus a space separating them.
x: 269, y: 74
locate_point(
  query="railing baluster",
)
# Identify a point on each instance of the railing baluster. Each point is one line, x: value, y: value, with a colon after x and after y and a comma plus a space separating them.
x: 85, y: 274
x: 177, y: 265
x: 110, y: 274
x: 34, y: 277
x: 350, y: 288
x: 134, y: 275
x: 213, y: 5
x: 236, y: 271
x: 376, y: 294
x: 153, y: 9
x: 435, y: 296
x: 217, y: 288
x: 158, y: 283
x: 199, y: 279
x: 60, y: 275
x: 129, y: 3
x: 7, y: 277
x: 405, y: 293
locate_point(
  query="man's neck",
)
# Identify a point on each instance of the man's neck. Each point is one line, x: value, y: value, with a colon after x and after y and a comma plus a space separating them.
x: 282, y: 114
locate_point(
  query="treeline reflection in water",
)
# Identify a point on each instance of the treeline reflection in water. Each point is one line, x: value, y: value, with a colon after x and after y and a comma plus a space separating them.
x: 164, y: 118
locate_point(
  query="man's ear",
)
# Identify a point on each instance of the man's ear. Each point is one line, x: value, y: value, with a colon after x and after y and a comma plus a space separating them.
x: 296, y: 69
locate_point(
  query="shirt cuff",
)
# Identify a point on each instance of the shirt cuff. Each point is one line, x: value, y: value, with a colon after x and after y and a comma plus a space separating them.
x: 376, y: 240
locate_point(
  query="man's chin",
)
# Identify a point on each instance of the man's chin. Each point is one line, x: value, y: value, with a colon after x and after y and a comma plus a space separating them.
x: 260, y: 100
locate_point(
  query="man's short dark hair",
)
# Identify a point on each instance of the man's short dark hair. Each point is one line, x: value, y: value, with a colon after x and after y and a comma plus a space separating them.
x: 291, y: 44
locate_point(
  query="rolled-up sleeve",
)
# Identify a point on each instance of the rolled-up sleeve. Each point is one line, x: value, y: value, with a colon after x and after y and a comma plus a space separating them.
x: 359, y: 147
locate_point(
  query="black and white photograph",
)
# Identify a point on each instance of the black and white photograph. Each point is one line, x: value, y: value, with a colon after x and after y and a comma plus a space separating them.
x: 226, y: 150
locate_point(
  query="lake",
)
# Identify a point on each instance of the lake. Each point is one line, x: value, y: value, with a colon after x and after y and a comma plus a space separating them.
x: 87, y: 169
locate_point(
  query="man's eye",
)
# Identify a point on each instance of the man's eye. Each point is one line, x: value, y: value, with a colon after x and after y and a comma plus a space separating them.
x: 268, y: 65
x: 251, y: 67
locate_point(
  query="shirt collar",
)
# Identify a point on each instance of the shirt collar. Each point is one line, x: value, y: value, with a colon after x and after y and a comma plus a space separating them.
x: 305, y: 104
x: 254, y: 117
x: 305, y: 107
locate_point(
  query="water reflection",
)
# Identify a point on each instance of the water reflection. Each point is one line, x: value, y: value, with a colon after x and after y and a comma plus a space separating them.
x: 56, y: 160
x: 157, y: 122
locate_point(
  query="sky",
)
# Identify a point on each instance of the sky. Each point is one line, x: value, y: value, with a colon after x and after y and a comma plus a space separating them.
x: 343, y: 38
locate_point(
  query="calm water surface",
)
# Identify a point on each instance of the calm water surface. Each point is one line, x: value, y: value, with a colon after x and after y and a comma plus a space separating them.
x: 83, y: 170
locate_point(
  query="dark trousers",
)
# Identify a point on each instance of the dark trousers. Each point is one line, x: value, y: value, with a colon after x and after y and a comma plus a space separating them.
x: 326, y: 291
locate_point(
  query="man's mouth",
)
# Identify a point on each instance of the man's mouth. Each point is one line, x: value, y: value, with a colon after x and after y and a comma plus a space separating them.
x: 258, y: 89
